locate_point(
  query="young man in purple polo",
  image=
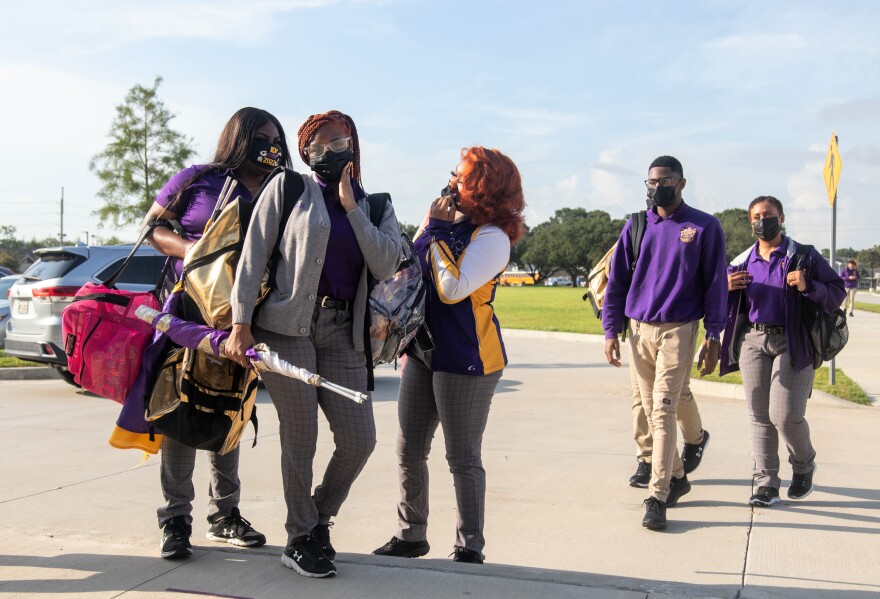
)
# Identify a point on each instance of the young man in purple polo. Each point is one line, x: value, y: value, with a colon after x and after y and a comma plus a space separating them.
x: 679, y: 278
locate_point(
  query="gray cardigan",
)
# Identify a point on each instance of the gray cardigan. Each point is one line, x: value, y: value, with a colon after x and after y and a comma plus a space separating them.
x: 288, y: 308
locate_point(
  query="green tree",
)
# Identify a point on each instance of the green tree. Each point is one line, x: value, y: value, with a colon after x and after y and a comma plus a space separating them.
x: 143, y: 153
x: 408, y: 229
x: 737, y: 232
x: 869, y: 258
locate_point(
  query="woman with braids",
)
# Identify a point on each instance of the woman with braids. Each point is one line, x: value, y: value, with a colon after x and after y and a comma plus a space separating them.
x: 314, y: 318
x: 251, y: 145
x: 463, y: 247
x: 766, y: 339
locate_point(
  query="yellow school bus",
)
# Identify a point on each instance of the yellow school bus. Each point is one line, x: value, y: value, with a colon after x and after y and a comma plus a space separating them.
x: 517, y: 278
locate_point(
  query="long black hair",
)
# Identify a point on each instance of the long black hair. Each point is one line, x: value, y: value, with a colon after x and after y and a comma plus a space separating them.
x: 233, y: 145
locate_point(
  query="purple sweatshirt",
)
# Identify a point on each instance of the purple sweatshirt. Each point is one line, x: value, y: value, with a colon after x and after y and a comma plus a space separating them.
x: 681, y: 274
x: 846, y: 273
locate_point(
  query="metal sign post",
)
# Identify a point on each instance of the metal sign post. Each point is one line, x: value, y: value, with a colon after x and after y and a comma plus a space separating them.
x: 831, y: 173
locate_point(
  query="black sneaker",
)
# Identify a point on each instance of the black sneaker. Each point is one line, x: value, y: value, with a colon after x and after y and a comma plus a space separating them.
x: 765, y: 497
x: 692, y: 454
x: 305, y: 556
x: 801, y: 484
x: 235, y: 530
x: 655, y: 514
x: 467, y: 556
x: 175, y: 538
x: 322, y: 533
x: 642, y: 476
x: 677, y: 488
x: 400, y: 548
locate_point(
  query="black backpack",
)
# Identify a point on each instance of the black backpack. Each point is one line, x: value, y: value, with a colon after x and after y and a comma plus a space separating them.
x: 829, y: 333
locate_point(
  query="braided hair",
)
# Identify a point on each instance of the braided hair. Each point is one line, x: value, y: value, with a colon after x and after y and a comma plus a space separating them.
x: 309, y: 128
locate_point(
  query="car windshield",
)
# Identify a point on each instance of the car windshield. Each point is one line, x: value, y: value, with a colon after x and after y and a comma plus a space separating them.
x: 5, y: 284
x: 52, y: 266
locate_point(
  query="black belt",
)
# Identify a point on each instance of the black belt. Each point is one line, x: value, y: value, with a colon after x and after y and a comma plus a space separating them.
x: 768, y: 328
x: 325, y: 301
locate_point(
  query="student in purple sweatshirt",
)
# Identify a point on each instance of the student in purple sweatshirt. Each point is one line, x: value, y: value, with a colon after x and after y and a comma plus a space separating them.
x: 679, y: 278
x: 850, y: 276
x: 766, y: 339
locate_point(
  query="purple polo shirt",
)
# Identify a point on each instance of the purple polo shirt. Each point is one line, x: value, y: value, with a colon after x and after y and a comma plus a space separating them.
x: 846, y: 273
x: 198, y: 201
x: 343, y: 261
x: 764, y: 294
x: 681, y: 274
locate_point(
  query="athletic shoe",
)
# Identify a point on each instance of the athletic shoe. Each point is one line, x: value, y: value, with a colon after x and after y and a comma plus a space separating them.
x: 655, y: 514
x: 765, y: 497
x: 322, y: 533
x: 692, y: 454
x: 467, y: 556
x: 175, y: 538
x: 305, y: 556
x: 235, y: 530
x: 400, y: 548
x: 801, y: 484
x: 642, y: 476
x: 677, y: 488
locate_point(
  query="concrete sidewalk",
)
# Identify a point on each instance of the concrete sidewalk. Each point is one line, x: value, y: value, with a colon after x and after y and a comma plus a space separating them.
x: 79, y: 516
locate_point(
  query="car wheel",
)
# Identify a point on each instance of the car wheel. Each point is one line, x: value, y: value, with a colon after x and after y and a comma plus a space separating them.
x: 66, y: 375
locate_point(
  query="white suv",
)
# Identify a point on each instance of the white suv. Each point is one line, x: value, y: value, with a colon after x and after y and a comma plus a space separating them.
x: 33, y: 331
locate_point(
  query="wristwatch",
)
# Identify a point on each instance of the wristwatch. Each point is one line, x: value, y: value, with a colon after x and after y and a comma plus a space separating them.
x: 714, y: 338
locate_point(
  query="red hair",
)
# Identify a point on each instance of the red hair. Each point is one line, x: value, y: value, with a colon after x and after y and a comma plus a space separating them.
x: 308, y: 130
x: 491, y: 192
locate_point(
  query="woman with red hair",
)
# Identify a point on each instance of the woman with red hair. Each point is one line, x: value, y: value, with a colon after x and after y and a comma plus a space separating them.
x: 463, y: 247
x: 314, y: 317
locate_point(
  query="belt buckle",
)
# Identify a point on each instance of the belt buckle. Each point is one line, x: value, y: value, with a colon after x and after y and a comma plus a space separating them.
x: 324, y: 298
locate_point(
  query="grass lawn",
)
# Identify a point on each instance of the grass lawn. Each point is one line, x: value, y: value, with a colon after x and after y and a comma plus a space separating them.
x: 540, y: 308
x: 10, y: 362
x: 868, y: 307
x: 845, y: 387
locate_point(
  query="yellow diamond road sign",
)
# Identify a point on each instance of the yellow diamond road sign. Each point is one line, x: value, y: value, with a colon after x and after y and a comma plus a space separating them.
x: 832, y: 169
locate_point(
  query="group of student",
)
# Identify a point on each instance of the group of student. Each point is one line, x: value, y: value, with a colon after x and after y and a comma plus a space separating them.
x: 658, y: 293
x: 314, y: 318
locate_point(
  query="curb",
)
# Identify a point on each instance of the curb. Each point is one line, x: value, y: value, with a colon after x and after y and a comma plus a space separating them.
x: 28, y: 373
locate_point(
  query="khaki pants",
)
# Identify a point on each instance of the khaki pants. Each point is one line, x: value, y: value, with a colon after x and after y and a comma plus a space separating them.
x: 662, y: 358
x: 688, y: 414
x: 849, y: 302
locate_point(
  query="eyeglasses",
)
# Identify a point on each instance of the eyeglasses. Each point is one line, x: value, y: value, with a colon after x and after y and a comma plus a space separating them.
x: 337, y: 145
x: 664, y: 182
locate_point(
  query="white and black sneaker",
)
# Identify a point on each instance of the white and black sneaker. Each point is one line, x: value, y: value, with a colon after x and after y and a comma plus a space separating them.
x: 692, y: 453
x: 801, y: 484
x: 305, y: 556
x: 642, y: 476
x: 235, y: 530
x: 175, y: 538
x: 765, y: 497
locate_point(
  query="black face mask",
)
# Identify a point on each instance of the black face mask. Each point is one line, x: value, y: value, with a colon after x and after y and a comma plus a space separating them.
x: 767, y: 228
x: 330, y: 166
x: 453, y: 192
x: 664, y: 196
x: 265, y: 154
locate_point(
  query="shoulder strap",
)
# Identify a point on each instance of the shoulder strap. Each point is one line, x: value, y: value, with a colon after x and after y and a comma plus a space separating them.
x: 110, y: 283
x: 636, y: 234
x: 800, y: 255
x: 377, y: 203
x: 294, y: 186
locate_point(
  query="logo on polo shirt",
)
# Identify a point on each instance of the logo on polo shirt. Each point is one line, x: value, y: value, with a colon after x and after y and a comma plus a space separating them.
x: 688, y: 234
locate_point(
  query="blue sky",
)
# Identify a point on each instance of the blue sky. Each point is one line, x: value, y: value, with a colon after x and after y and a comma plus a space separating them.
x: 582, y: 95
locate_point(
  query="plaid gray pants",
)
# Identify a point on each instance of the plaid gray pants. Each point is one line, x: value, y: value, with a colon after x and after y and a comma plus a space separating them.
x: 328, y: 350
x: 460, y: 403
x: 776, y: 396
x: 176, y: 471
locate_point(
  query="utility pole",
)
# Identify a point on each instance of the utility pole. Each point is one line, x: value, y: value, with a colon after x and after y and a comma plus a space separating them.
x: 61, y: 231
x: 832, y: 374
x: 831, y: 174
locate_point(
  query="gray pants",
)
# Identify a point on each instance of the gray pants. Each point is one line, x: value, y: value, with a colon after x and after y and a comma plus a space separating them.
x: 176, y: 471
x: 328, y: 351
x: 460, y: 403
x: 776, y: 395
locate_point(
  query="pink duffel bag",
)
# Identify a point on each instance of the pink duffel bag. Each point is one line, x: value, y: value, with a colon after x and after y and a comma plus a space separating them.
x: 103, y: 339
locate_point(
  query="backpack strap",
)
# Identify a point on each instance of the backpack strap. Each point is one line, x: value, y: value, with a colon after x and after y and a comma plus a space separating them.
x: 636, y: 234
x: 377, y: 202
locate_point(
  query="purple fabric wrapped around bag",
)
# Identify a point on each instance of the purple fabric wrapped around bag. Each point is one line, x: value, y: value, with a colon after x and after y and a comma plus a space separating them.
x: 131, y: 430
